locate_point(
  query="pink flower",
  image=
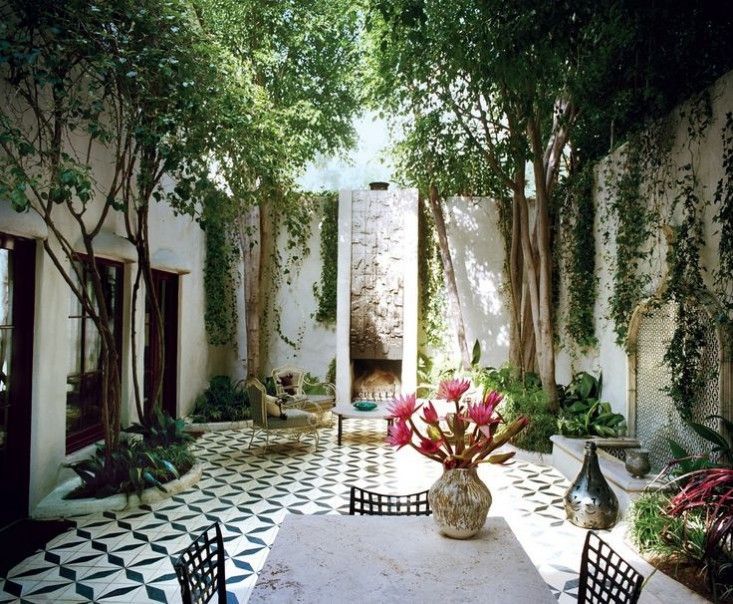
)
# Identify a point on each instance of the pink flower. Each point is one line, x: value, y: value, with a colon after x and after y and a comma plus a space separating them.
x: 453, y: 390
x: 471, y: 428
x: 399, y: 434
x: 480, y: 414
x: 492, y: 398
x: 403, y: 407
x: 428, y: 446
x: 429, y: 414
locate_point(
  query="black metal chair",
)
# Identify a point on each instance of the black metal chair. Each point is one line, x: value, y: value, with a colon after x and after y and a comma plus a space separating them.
x: 605, y: 577
x: 368, y: 503
x: 200, y: 568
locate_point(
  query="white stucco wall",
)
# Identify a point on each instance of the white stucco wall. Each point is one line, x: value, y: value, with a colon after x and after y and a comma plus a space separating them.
x: 316, y: 343
x: 477, y: 251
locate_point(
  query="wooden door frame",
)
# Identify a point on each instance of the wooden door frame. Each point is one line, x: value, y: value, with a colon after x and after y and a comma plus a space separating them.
x: 20, y: 387
x: 170, y: 337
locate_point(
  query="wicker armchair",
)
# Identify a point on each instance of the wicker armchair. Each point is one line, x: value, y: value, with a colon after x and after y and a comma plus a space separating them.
x: 296, y: 421
x: 291, y: 384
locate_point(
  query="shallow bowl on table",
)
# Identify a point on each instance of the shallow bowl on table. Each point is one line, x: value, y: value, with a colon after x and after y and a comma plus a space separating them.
x: 365, y: 405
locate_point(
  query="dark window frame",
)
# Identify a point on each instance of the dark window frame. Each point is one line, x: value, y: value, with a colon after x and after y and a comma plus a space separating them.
x: 91, y: 434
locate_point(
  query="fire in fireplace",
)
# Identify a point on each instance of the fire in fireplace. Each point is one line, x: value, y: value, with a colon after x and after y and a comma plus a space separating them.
x: 376, y: 380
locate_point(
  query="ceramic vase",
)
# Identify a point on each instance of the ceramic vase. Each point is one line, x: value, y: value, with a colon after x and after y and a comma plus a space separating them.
x: 637, y: 462
x: 589, y: 502
x: 460, y: 502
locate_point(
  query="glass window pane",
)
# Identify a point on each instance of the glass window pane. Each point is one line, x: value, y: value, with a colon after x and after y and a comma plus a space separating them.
x: 6, y: 287
x: 84, y: 381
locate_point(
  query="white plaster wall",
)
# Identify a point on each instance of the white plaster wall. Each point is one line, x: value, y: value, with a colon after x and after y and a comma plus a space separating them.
x: 298, y: 305
x: 477, y: 251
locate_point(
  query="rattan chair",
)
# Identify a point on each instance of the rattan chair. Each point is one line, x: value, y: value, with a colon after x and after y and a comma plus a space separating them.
x: 200, y: 568
x: 605, y: 577
x: 368, y: 503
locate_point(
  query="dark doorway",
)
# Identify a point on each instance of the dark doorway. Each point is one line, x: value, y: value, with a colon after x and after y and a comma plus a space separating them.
x: 17, y: 300
x: 166, y: 286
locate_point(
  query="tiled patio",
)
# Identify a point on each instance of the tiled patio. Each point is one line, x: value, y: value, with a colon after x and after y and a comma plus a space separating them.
x: 126, y: 556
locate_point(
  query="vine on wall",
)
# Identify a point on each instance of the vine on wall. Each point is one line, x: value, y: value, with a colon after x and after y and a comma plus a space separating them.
x: 578, y: 258
x: 431, y: 279
x: 634, y: 222
x: 325, y: 291
x: 220, y: 271
x: 685, y: 286
x: 723, y: 198
x: 294, y: 212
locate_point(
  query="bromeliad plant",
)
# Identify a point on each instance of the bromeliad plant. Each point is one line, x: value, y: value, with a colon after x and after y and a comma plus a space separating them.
x: 464, y: 437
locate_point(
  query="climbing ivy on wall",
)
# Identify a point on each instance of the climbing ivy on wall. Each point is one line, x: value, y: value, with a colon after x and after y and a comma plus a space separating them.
x: 325, y: 291
x: 685, y: 285
x: 634, y: 223
x: 578, y: 257
x: 292, y: 211
x: 220, y: 270
x: 430, y: 276
x: 723, y: 198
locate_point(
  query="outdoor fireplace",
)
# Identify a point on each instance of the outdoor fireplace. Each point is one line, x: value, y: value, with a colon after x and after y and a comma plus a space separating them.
x: 376, y: 380
x: 376, y: 318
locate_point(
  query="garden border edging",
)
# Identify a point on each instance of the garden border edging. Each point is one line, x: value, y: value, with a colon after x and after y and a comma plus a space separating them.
x: 55, y: 506
x: 217, y: 426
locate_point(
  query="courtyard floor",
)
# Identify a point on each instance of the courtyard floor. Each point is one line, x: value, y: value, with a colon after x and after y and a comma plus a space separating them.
x: 127, y: 556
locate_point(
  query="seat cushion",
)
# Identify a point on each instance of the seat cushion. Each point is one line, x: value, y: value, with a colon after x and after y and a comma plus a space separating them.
x: 273, y: 406
x: 295, y: 418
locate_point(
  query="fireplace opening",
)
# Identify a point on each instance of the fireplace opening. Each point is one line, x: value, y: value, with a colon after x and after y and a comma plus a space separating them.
x: 376, y: 379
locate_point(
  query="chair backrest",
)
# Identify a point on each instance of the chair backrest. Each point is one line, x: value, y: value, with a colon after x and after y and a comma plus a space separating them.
x: 200, y: 568
x: 605, y: 577
x: 256, y: 392
x: 288, y: 380
x: 368, y: 503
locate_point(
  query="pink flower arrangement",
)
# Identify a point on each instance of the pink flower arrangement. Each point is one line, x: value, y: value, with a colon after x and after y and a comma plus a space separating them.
x: 467, y: 434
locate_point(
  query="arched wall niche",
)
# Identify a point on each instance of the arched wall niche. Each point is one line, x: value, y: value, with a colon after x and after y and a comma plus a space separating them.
x: 651, y: 414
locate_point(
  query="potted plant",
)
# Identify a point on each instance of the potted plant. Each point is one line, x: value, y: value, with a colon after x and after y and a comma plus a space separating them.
x: 461, y: 439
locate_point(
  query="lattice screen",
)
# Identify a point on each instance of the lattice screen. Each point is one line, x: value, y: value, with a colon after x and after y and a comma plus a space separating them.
x: 656, y: 417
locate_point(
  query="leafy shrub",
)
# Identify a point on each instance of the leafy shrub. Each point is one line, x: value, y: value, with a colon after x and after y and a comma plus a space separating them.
x: 222, y: 401
x: 162, y: 431
x: 583, y: 413
x: 133, y: 467
x: 522, y: 398
x: 685, y: 463
x: 655, y: 532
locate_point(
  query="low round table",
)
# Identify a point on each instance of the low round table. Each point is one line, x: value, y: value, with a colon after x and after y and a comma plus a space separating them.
x: 348, y: 411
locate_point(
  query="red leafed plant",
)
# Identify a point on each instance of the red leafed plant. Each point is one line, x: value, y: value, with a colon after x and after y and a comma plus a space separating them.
x: 709, y: 492
x: 465, y: 437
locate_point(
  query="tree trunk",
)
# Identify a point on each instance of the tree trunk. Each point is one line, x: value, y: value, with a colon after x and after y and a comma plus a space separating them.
x: 544, y: 332
x: 248, y: 224
x: 454, y: 303
x: 522, y: 347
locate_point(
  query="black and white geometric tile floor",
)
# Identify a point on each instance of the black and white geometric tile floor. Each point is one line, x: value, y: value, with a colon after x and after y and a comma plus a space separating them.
x: 127, y: 556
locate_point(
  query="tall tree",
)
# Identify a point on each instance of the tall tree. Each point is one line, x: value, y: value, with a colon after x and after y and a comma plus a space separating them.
x: 303, y: 59
x: 511, y: 86
x: 127, y: 80
x: 491, y: 79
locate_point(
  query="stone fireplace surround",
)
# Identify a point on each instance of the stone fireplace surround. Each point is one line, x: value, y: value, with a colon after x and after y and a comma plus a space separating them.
x: 377, y: 294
